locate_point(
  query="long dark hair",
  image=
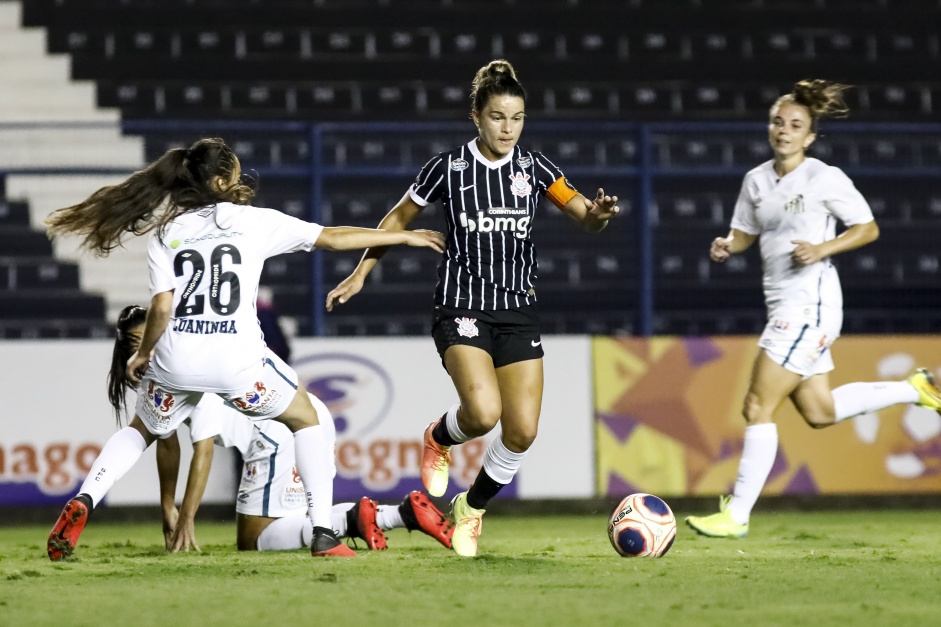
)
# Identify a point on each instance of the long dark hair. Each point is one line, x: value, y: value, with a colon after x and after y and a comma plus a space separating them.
x: 821, y: 99
x: 118, y: 383
x: 497, y: 78
x: 182, y: 180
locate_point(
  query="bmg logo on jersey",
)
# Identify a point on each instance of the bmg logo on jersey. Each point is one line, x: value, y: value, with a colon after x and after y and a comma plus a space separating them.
x: 499, y: 220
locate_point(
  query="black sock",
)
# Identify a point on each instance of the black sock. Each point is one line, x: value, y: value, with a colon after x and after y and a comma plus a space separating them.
x: 87, y: 500
x: 440, y: 433
x: 484, y: 489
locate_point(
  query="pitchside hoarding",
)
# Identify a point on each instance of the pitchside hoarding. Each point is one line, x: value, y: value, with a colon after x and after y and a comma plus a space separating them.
x: 382, y: 391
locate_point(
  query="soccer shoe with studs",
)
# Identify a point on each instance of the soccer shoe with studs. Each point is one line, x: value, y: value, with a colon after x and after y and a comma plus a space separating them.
x: 435, y: 462
x: 68, y: 528
x: 468, y: 523
x: 719, y: 525
x: 326, y: 544
x: 928, y: 393
x: 420, y: 514
x: 361, y: 523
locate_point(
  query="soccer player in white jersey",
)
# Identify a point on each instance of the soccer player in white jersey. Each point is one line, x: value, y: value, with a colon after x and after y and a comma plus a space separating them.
x: 271, y: 510
x: 790, y: 206
x: 205, y: 256
x: 486, y: 326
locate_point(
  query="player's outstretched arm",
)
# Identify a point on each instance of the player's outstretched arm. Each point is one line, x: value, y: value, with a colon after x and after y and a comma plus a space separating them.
x: 353, y: 238
x: 592, y: 215
x: 168, y: 468
x: 184, y: 536
x: 404, y: 212
x: 158, y: 316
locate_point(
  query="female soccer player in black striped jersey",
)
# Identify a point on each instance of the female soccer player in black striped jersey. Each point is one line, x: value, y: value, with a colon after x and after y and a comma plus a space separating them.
x: 486, y: 326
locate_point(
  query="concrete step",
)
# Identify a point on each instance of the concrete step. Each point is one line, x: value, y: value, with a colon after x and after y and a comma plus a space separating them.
x: 10, y: 16
x: 69, y: 147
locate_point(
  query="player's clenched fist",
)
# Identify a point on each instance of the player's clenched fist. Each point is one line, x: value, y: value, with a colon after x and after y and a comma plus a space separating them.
x: 720, y: 249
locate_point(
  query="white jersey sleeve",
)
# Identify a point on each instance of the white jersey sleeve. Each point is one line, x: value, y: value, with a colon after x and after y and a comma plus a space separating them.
x: 743, y: 216
x: 844, y: 201
x: 284, y: 233
x: 161, y: 270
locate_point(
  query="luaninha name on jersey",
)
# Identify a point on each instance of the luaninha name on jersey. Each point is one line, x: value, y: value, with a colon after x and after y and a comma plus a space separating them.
x: 204, y: 327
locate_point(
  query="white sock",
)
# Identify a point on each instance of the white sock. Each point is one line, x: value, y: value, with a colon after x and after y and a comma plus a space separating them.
x: 853, y: 399
x: 338, y: 514
x: 758, y: 453
x: 313, y: 458
x: 454, y: 430
x: 286, y: 534
x: 121, y: 452
x: 501, y: 463
x: 389, y: 517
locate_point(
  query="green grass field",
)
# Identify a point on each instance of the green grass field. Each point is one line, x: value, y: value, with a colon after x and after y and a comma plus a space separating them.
x: 833, y: 568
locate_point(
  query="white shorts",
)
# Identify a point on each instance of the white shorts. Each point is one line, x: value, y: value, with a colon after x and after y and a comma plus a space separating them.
x: 163, y: 408
x: 270, y: 485
x: 801, y: 348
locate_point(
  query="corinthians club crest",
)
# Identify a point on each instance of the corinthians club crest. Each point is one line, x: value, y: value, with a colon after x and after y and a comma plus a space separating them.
x: 520, y: 184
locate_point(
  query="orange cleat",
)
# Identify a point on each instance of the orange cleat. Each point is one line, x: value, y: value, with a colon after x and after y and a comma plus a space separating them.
x: 435, y: 462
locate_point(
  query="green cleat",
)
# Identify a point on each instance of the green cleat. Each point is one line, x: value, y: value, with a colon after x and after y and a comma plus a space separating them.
x: 467, y: 525
x: 719, y: 525
x: 928, y: 393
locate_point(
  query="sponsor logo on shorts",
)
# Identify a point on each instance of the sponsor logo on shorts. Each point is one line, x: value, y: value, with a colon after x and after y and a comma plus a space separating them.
x: 162, y: 400
x: 519, y: 185
x: 258, y: 400
x: 780, y: 326
x: 243, y: 496
x: 467, y: 327
x: 459, y: 165
x: 251, y: 471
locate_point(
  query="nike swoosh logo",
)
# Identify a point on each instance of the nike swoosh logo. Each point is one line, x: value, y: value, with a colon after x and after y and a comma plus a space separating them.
x: 467, y: 187
x: 536, y: 343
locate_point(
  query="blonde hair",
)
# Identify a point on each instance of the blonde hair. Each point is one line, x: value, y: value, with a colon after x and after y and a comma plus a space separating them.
x: 497, y: 78
x: 821, y: 98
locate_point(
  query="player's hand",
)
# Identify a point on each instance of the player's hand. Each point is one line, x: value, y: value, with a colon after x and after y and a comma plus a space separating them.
x: 347, y: 289
x: 806, y: 253
x: 137, y: 365
x: 604, y: 207
x: 720, y: 249
x: 184, y: 537
x: 425, y: 239
x: 170, y: 518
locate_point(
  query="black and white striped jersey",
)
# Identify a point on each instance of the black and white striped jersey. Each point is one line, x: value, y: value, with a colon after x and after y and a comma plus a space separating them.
x: 489, y: 206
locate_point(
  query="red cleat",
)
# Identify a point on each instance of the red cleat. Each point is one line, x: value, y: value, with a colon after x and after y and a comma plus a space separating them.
x: 363, y: 519
x: 326, y: 544
x: 68, y: 528
x: 420, y: 514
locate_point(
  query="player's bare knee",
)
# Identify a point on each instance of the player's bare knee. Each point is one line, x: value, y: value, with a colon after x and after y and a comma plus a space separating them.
x: 818, y: 419
x: 519, y: 441
x: 480, y: 415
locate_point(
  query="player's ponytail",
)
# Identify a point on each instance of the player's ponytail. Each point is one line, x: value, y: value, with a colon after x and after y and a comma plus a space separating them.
x: 821, y: 98
x: 125, y: 344
x: 181, y: 180
x: 497, y: 78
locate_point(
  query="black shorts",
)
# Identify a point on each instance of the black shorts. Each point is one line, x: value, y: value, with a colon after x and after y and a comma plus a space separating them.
x: 508, y: 335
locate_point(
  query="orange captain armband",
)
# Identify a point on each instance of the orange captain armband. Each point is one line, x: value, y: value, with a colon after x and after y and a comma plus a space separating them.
x: 561, y: 192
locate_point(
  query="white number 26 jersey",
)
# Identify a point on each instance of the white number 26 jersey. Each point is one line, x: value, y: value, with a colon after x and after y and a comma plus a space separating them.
x: 212, y: 260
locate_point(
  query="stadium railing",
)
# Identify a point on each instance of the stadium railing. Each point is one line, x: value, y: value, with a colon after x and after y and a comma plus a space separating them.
x: 899, y: 163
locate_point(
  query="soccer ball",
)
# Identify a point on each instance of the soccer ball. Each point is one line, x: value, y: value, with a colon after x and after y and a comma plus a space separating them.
x: 642, y: 525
